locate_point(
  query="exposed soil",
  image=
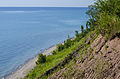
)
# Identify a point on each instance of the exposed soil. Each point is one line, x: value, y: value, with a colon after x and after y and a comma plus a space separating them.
x: 101, y: 61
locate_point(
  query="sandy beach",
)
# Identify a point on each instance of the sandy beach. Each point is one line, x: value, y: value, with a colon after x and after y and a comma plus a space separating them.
x: 23, y: 70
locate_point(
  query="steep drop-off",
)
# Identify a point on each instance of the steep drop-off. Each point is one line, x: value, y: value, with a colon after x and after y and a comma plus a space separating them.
x: 101, y: 60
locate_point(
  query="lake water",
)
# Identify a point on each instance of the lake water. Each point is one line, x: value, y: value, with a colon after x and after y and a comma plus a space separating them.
x: 26, y: 31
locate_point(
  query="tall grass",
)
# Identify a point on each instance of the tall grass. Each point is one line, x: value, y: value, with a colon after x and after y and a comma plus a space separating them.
x: 53, y: 60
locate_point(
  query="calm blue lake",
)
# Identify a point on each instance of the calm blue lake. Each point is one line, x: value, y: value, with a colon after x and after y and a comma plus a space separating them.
x: 26, y: 31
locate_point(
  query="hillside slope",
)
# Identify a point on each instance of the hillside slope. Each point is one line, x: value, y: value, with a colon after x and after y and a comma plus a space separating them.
x: 101, y: 60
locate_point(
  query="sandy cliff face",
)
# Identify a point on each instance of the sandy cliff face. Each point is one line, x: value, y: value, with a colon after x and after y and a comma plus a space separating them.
x: 101, y: 61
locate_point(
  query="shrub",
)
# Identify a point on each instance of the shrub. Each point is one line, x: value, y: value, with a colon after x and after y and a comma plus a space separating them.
x: 54, y: 52
x: 32, y: 75
x: 60, y: 47
x: 91, y: 57
x: 105, y: 47
x: 41, y: 59
x: 101, y: 52
x: 68, y: 43
x: 76, y: 33
x: 87, y: 25
x: 108, y: 25
x: 95, y: 51
x: 105, y: 17
x: 82, y: 28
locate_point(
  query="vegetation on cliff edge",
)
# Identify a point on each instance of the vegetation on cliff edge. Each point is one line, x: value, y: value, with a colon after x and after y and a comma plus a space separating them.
x: 104, y: 19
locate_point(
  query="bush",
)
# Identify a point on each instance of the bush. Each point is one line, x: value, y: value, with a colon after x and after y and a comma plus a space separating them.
x: 76, y: 33
x: 60, y: 47
x: 105, y: 17
x: 41, y: 59
x: 108, y: 25
x: 54, y: 52
x: 82, y: 28
x: 66, y: 44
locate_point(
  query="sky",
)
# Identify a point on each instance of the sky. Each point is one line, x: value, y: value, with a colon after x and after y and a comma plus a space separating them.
x: 45, y: 3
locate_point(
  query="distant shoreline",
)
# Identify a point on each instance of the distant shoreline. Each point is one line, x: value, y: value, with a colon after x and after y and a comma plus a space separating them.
x: 25, y: 68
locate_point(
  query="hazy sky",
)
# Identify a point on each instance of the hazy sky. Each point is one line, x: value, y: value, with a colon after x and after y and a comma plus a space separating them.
x: 45, y: 3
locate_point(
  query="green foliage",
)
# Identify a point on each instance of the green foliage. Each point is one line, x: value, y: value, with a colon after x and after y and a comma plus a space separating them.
x: 92, y: 57
x: 83, y: 33
x: 82, y: 74
x: 101, y: 52
x: 90, y: 50
x: 41, y: 59
x: 105, y: 17
x: 108, y: 25
x: 66, y: 44
x: 88, y: 25
x: 76, y: 33
x: 60, y: 47
x: 95, y: 52
x: 109, y: 58
x: 31, y: 75
x: 105, y: 47
x: 54, y: 52
x: 53, y: 60
x: 61, y: 52
x: 82, y: 28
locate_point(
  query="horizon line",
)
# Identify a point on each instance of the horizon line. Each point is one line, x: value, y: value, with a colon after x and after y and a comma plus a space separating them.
x: 44, y: 6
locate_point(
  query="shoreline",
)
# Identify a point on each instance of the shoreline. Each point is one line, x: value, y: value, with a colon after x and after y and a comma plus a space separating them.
x: 25, y: 68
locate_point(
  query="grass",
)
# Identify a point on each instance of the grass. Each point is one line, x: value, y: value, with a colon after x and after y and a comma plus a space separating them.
x: 68, y: 73
x: 107, y: 26
x: 53, y: 60
x: 105, y: 47
x: 101, y: 52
